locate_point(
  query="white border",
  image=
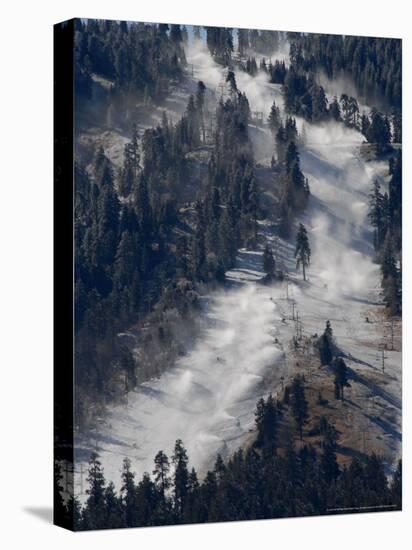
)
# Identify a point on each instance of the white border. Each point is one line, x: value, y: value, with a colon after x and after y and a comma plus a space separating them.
x: 26, y: 271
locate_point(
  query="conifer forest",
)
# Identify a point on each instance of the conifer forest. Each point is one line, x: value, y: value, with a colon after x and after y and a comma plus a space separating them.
x: 238, y: 276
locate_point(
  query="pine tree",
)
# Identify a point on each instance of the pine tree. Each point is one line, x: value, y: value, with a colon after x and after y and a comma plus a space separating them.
x: 146, y: 501
x: 365, y: 124
x: 94, y: 511
x: 180, y: 478
x: 391, y: 277
x: 127, y: 174
x: 379, y: 132
x: 129, y: 495
x: 329, y: 464
x: 299, y: 404
x: 292, y: 156
x: 341, y: 377
x: 113, y: 508
x: 269, y: 265
x: 319, y: 103
x: 274, y: 119
x: 219, y: 468
x: 377, y: 215
x: 259, y: 418
x: 198, y: 255
x: 128, y: 366
x: 396, y: 487
x: 60, y: 512
x: 302, y: 249
x: 268, y: 426
x: 126, y: 260
x: 161, y: 472
x: 143, y: 209
x: 326, y: 345
x: 228, y: 239
x: 231, y: 79
x: 193, y: 504
x: 243, y: 41
x: 397, y: 126
x: 133, y: 151
x: 200, y: 106
x: 334, y: 110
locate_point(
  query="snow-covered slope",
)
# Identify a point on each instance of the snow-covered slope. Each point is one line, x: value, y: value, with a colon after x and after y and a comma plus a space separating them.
x: 208, y: 398
x: 344, y: 284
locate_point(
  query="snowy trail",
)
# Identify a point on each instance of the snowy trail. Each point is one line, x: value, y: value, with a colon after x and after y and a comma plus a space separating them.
x: 207, y: 399
x: 344, y: 282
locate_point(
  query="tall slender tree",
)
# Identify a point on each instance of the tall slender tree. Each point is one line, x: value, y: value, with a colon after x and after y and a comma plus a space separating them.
x: 341, y: 377
x: 302, y: 249
x: 181, y: 478
x: 269, y: 264
x: 299, y: 404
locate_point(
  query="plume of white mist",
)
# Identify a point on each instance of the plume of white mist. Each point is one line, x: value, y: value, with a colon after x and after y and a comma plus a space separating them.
x: 208, y: 398
x: 342, y: 84
x: 259, y: 91
x: 340, y: 183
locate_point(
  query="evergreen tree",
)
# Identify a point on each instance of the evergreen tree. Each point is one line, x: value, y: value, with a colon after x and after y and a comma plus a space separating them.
x: 128, y: 366
x: 243, y: 41
x: 113, y: 508
x: 200, y: 107
x: 302, y: 249
x: 192, y: 511
x: 146, y: 501
x: 259, y: 418
x: 299, y: 404
x: 379, y: 132
x: 161, y: 472
x: 329, y: 465
x: 350, y: 110
x: 266, y: 423
x: 94, y: 511
x: 396, y: 487
x: 257, y: 483
x: 377, y: 215
x: 180, y: 478
x: 133, y: 152
x: 129, y: 495
x: 292, y: 156
x: 397, y: 126
x: 277, y: 72
x: 334, y: 110
x: 74, y: 511
x: 219, y: 40
x: 198, y: 255
x: 391, y: 278
x: 126, y: 259
x: 60, y: 512
x: 269, y: 265
x: 326, y: 345
x: 341, y: 377
x: 319, y: 103
x: 231, y: 80
x: 365, y: 124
